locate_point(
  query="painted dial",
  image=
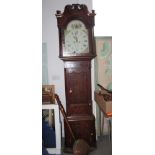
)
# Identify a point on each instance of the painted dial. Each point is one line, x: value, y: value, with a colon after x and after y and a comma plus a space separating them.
x: 76, y: 38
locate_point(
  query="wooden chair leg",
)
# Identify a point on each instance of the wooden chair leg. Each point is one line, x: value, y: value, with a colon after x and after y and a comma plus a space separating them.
x: 110, y: 130
x: 102, y: 125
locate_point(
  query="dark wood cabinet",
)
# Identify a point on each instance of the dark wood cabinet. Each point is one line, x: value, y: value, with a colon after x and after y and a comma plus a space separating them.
x: 77, y: 49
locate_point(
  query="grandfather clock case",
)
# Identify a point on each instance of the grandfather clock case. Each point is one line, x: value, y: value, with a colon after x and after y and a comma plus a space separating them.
x: 77, y: 49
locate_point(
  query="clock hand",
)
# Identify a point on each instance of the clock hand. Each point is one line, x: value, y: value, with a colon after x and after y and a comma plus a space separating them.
x: 76, y: 38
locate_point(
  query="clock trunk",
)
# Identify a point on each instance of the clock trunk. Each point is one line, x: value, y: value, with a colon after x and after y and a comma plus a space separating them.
x: 79, y: 102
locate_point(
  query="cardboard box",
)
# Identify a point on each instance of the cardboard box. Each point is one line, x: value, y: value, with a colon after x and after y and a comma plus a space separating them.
x: 48, y: 92
x: 105, y: 106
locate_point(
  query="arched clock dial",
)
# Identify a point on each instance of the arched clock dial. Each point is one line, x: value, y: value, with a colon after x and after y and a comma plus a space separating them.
x: 76, y: 38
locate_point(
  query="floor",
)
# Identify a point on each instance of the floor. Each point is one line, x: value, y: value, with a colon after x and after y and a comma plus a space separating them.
x: 104, y: 147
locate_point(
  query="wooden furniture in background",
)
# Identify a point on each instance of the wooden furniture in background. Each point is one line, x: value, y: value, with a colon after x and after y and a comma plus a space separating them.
x: 48, y: 94
x: 103, y: 98
x: 48, y: 103
x: 48, y: 97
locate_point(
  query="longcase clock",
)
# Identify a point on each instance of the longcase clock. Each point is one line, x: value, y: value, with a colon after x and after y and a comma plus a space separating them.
x: 77, y: 49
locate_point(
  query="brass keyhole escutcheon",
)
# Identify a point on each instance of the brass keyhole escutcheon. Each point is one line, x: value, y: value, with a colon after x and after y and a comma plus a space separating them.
x: 70, y: 91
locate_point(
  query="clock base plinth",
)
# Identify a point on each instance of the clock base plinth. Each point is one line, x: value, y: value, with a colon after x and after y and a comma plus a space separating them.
x: 83, y: 128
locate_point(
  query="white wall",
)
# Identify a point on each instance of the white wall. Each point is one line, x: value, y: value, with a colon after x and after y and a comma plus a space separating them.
x: 50, y: 36
x: 103, y: 27
x: 103, y: 19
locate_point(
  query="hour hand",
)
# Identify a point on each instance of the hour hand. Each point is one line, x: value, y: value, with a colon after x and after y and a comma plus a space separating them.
x: 76, y: 39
